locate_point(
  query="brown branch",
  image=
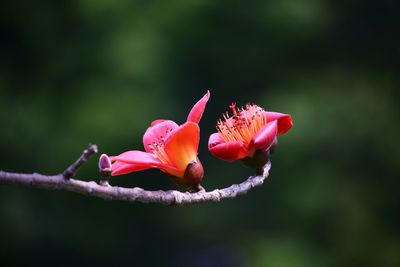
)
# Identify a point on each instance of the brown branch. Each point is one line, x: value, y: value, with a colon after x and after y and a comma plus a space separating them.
x: 63, y: 181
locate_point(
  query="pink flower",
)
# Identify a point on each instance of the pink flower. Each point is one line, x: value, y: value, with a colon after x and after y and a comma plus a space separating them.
x: 170, y: 148
x: 249, y: 130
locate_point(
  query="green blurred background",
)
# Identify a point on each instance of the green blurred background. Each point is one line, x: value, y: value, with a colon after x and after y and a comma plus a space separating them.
x: 79, y: 72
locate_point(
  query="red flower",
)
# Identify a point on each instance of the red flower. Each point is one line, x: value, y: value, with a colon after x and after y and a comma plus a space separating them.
x: 250, y: 129
x: 170, y: 148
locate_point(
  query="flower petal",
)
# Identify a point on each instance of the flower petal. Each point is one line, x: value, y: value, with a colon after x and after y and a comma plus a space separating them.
x: 119, y: 168
x: 157, y: 132
x: 284, y: 121
x: 265, y: 136
x: 215, y: 139
x: 155, y: 122
x: 135, y: 160
x: 229, y: 151
x: 139, y: 158
x: 197, y: 111
x: 182, y: 144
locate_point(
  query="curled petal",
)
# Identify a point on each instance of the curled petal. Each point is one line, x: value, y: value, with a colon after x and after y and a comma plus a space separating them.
x: 135, y: 160
x: 119, y: 168
x: 284, y: 121
x: 182, y: 144
x: 215, y: 139
x: 138, y: 158
x: 157, y: 132
x: 196, y: 112
x: 265, y: 136
x: 229, y: 151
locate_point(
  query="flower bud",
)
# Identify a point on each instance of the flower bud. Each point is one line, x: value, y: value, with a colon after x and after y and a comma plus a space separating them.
x: 105, y: 169
x: 194, y: 174
x: 104, y: 163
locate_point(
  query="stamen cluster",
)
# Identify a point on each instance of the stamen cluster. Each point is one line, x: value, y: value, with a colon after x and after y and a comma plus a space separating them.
x: 158, y: 150
x: 243, y: 125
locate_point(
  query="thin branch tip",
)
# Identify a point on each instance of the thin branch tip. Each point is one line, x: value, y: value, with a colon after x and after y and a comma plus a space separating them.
x: 71, y: 171
x: 92, y: 149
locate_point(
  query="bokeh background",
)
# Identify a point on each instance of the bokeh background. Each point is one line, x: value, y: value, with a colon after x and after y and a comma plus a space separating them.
x: 79, y: 72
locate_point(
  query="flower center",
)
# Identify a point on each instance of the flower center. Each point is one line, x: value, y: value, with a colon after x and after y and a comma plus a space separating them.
x: 158, y: 150
x: 243, y: 125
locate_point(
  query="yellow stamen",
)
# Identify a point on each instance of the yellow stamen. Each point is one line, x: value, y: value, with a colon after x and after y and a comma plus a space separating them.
x: 158, y: 150
x: 243, y: 125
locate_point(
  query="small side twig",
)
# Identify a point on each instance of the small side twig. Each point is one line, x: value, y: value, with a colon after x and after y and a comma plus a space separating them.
x: 73, y: 169
x: 64, y: 181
